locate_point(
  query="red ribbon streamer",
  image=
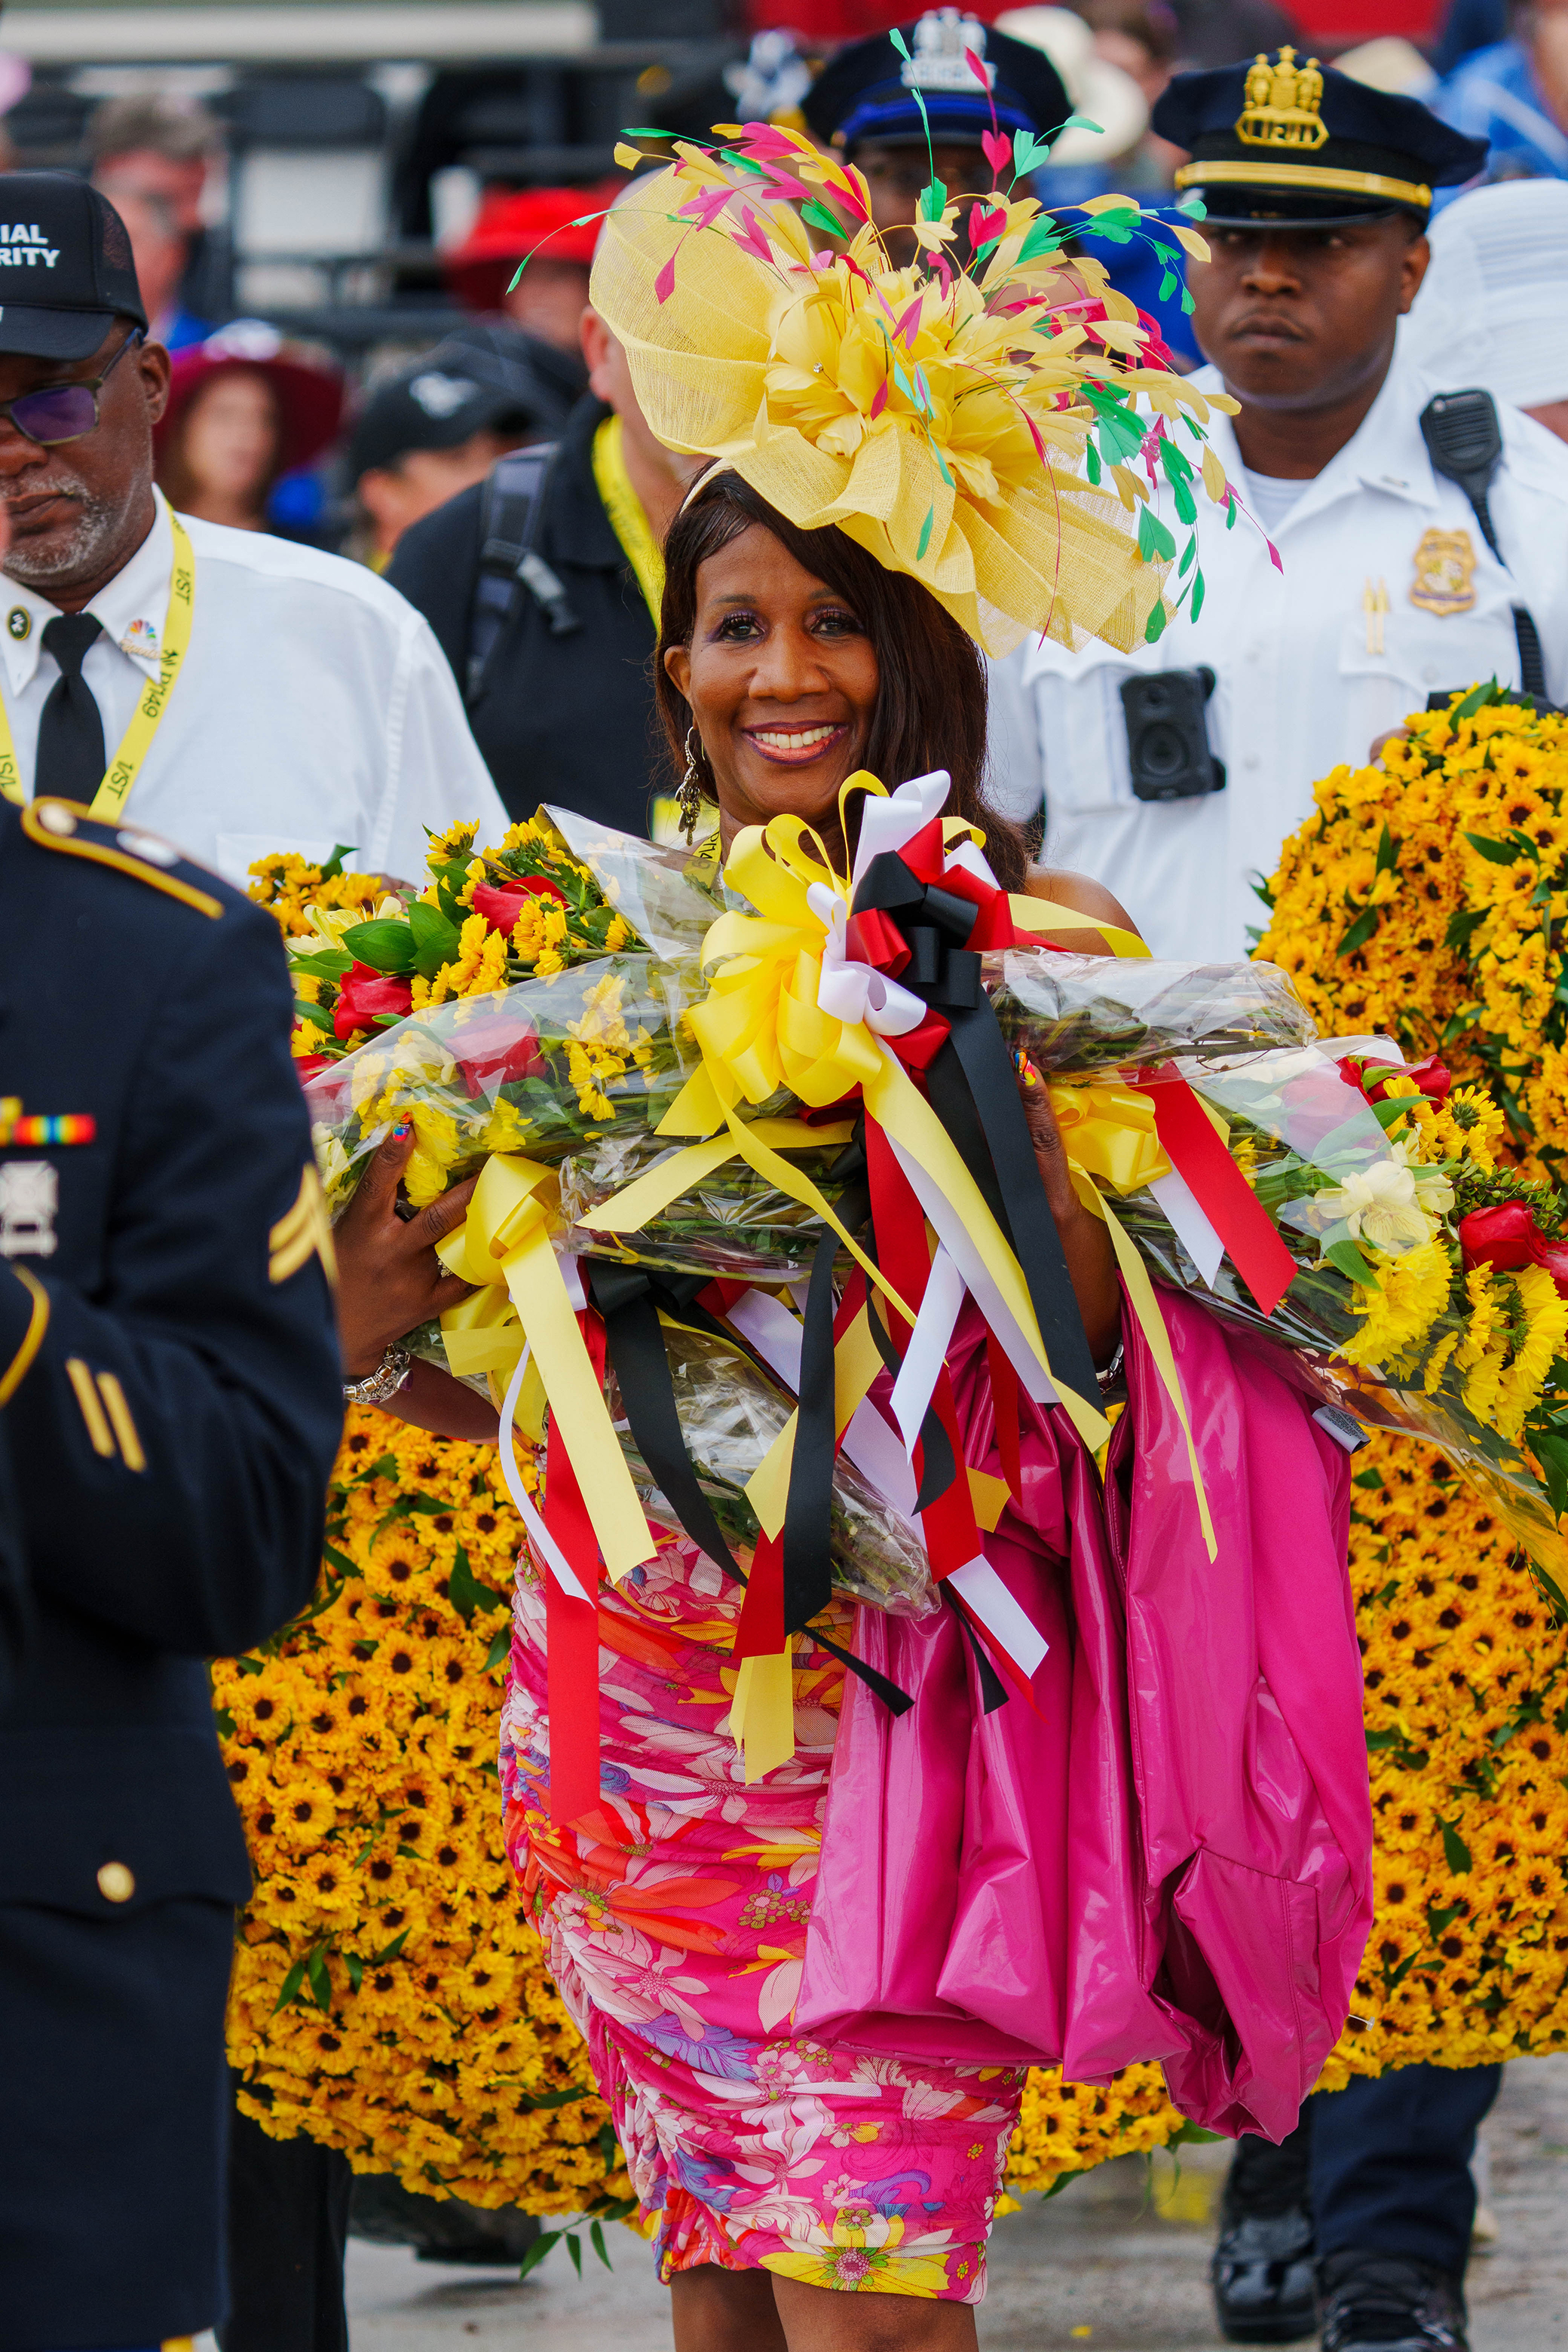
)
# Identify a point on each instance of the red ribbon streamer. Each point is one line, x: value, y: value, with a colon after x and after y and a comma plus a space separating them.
x: 1004, y: 1409
x: 951, y: 1531
x: 1222, y: 1192
x: 760, y: 1632
x: 572, y: 1626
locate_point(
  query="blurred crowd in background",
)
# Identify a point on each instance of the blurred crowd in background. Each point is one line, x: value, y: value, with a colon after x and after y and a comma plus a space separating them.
x: 338, y: 388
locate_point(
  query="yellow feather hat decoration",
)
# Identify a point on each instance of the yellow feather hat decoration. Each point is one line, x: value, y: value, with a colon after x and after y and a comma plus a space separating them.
x: 979, y: 428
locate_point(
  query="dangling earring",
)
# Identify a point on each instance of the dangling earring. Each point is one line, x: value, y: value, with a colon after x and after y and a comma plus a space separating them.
x: 690, y: 801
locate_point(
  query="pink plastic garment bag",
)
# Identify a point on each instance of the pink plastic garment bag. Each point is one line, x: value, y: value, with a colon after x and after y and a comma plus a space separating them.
x: 1168, y: 1853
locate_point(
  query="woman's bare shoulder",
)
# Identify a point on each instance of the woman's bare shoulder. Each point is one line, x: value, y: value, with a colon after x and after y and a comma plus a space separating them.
x: 1077, y: 891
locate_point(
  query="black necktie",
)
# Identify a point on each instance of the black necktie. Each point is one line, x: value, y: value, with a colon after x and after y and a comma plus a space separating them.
x: 71, y: 757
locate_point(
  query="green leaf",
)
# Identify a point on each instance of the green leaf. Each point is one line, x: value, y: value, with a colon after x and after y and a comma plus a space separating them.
x: 465, y: 1591
x: 819, y: 218
x: 321, y: 1979
x: 1378, y: 1740
x: 317, y: 1014
x: 385, y: 945
x: 1462, y: 929
x: 329, y: 964
x: 334, y: 865
x: 355, y: 1967
x: 537, y: 2252
x: 1167, y: 284
x: 1361, y: 930
x: 1044, y: 237
x: 1387, y: 854
x: 925, y: 534
x: 1083, y: 122
x: 225, y: 1722
x: 1029, y: 153
x: 596, y: 2236
x: 574, y: 2248
x: 1456, y: 1853
x: 1477, y: 700
x: 1437, y: 1919
x: 435, y: 938
x: 1154, y: 626
x: 1348, y: 1256
x: 500, y: 1645
x: 289, y: 1991
x: 933, y: 201
x: 1499, y: 853
x: 391, y: 1951
x: 1185, y: 504
x: 1197, y: 607
x: 1155, y: 540
x: 1551, y: 1451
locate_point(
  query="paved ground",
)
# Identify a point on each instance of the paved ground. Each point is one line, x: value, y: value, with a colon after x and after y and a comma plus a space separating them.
x: 1108, y: 2263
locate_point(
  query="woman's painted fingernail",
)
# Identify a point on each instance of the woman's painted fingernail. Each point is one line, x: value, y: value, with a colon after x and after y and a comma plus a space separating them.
x: 400, y: 1130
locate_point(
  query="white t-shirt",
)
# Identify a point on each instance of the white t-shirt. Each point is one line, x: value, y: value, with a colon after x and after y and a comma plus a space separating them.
x: 313, y: 706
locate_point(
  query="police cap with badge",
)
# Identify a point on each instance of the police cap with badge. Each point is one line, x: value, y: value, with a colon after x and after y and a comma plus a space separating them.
x: 1288, y: 143
x: 1297, y: 144
x: 869, y: 92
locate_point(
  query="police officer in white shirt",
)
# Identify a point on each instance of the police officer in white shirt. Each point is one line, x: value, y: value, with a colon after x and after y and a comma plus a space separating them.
x: 232, y: 692
x: 1394, y: 581
x: 1388, y: 586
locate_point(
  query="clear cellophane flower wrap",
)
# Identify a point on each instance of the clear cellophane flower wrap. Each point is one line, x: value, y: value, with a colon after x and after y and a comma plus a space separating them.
x: 730, y: 1413
x: 1068, y: 1012
x: 1385, y: 1316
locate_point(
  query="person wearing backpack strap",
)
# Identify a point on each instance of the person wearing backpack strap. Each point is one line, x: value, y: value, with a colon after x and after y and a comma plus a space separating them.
x: 543, y: 586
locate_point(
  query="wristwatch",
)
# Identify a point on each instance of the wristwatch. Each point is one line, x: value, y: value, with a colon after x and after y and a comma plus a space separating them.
x: 384, y: 1382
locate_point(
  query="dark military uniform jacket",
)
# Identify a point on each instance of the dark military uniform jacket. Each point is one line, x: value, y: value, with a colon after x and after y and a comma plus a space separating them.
x: 567, y: 718
x: 170, y: 1399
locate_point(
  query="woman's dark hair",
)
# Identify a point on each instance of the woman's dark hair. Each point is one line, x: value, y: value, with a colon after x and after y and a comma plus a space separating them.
x: 930, y: 703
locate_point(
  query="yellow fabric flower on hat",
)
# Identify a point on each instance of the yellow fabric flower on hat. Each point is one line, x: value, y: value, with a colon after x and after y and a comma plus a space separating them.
x: 940, y: 416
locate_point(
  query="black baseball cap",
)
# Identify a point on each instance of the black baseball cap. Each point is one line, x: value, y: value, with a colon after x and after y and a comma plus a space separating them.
x: 434, y: 404
x: 1291, y: 142
x: 66, y: 271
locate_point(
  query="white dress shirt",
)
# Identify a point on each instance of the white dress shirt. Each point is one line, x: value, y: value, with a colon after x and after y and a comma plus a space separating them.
x: 313, y: 706
x: 1306, y: 676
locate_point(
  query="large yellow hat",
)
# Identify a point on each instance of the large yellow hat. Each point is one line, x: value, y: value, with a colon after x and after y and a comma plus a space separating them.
x: 955, y: 423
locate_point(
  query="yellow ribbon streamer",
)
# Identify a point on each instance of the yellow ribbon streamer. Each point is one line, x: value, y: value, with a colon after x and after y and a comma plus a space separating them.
x: 762, y: 1716
x: 505, y: 1240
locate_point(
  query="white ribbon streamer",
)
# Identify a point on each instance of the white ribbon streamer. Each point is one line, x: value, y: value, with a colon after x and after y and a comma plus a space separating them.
x: 543, y: 1542
x: 1005, y: 1619
x: 927, y: 1350
x: 1191, y: 1222
x: 852, y: 990
x: 888, y: 823
x: 868, y: 1441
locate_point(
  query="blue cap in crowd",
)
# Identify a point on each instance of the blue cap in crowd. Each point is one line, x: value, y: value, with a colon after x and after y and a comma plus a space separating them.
x: 1294, y: 142
x: 868, y: 91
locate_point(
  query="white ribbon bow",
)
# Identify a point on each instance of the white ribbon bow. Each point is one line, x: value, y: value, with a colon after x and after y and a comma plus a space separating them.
x: 851, y: 990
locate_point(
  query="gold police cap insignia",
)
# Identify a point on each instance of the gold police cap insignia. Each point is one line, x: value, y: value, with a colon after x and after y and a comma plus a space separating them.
x: 1282, y: 102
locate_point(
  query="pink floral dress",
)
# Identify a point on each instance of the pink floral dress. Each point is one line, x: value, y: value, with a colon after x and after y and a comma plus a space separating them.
x: 676, y: 1917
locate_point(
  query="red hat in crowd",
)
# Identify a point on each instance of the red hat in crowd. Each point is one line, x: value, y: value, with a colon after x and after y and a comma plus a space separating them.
x: 511, y: 226
x: 309, y: 395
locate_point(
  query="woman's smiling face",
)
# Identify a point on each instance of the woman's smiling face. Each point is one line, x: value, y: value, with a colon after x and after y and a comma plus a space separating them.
x: 782, y: 680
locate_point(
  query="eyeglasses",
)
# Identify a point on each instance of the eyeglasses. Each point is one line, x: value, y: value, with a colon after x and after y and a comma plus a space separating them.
x: 63, y: 412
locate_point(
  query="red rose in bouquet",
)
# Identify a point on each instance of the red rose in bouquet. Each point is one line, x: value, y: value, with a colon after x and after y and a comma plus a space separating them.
x: 496, y: 1051
x: 362, y: 994
x: 309, y: 1066
x: 1508, y: 1237
x: 500, y: 909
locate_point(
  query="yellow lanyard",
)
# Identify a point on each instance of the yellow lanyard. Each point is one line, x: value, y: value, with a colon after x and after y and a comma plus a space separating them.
x: 126, y: 765
x: 627, y: 520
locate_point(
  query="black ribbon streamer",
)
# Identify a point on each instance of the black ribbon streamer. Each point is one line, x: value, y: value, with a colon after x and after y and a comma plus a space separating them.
x: 994, y: 1691
x: 628, y: 1298
x: 973, y: 1086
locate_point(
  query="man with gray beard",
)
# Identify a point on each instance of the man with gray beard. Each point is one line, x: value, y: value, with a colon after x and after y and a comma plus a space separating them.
x: 262, y: 695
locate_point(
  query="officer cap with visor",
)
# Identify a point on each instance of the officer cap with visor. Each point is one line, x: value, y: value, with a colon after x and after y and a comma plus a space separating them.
x: 66, y: 271
x: 867, y: 91
x: 1292, y: 142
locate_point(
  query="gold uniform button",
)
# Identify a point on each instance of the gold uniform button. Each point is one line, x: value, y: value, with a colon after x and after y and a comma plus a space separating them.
x: 56, y: 818
x: 116, y: 1884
